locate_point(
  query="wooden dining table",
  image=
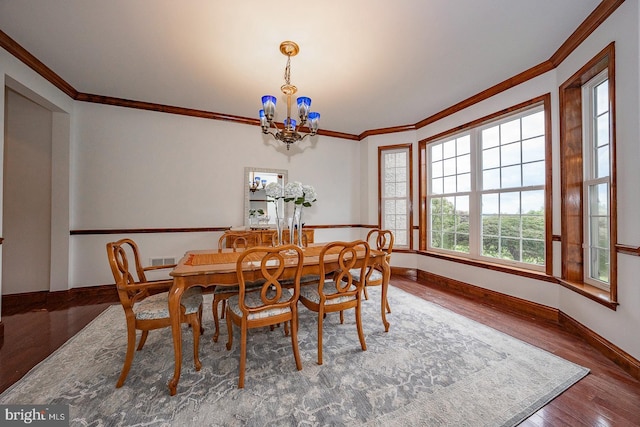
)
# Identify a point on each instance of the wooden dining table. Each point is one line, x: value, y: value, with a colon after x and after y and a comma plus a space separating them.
x: 217, y: 267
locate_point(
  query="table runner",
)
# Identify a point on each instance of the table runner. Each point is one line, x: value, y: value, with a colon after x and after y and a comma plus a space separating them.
x: 213, y: 258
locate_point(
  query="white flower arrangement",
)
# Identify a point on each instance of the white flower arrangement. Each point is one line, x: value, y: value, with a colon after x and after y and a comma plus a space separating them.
x: 300, y: 194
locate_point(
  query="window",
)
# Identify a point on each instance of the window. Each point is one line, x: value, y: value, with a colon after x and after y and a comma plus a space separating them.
x: 595, y: 106
x: 395, y: 188
x: 587, y: 158
x: 486, y: 189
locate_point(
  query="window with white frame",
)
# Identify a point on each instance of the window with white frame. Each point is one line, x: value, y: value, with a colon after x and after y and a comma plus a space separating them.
x: 395, y: 192
x: 486, y: 191
x: 596, y: 165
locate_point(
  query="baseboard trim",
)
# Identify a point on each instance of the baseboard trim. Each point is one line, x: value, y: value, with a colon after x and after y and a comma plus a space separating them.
x: 45, y: 300
x: 541, y: 312
x: 518, y: 305
x: 607, y: 348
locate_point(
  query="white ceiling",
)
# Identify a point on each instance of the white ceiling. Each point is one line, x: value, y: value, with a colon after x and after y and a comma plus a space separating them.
x: 366, y: 64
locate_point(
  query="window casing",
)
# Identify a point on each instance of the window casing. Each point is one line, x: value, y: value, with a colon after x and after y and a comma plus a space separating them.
x: 588, y: 180
x: 487, y: 189
x: 395, y: 189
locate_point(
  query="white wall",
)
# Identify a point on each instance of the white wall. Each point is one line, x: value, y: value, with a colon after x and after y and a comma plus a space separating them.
x: 142, y: 169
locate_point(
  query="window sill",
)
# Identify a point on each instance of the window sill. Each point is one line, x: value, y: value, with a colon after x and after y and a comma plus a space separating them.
x: 595, y: 294
x: 492, y: 266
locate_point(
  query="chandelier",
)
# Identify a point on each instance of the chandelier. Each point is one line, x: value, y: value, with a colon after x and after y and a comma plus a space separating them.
x: 289, y: 132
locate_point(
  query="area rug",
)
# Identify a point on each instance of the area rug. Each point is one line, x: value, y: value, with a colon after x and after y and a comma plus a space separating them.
x: 433, y: 368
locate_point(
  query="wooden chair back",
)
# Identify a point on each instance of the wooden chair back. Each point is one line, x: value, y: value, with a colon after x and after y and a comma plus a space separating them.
x: 239, y: 241
x: 342, y: 275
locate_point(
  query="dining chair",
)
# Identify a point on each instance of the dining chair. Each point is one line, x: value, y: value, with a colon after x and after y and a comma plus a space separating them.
x: 234, y: 241
x: 146, y: 303
x: 339, y: 292
x: 273, y: 304
x: 381, y: 240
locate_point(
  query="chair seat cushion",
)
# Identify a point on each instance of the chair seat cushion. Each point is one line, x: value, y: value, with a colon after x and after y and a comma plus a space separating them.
x: 253, y: 299
x: 157, y: 306
x: 248, y: 286
x: 375, y: 275
x: 329, y: 288
x: 304, y: 280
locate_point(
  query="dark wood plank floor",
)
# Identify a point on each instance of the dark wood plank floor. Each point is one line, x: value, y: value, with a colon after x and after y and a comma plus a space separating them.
x: 608, y: 396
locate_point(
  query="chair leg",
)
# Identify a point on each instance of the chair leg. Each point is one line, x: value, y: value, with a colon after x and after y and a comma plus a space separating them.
x: 195, y: 327
x: 388, y: 307
x: 243, y: 355
x: 143, y: 339
x: 341, y: 317
x: 229, y: 332
x: 363, y: 344
x: 364, y: 290
x: 128, y: 359
x: 320, y: 320
x: 294, y: 340
x: 214, y: 308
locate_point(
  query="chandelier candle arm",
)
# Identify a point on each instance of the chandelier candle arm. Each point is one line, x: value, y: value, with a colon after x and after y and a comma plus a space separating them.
x: 289, y: 133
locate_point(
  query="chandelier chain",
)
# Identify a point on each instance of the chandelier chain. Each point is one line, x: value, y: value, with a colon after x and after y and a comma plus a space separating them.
x: 287, y: 71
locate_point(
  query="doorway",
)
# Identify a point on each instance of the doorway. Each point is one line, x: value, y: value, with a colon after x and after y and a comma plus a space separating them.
x: 27, y: 189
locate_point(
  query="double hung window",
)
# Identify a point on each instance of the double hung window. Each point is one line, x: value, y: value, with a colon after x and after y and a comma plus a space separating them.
x: 486, y: 189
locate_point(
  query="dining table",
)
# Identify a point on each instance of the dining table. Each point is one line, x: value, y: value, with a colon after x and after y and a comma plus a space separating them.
x: 217, y: 267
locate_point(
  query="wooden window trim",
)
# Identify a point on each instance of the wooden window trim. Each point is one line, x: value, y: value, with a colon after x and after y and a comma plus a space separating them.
x: 571, y: 184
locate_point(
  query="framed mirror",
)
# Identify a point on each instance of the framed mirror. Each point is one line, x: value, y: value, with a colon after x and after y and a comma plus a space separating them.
x: 258, y: 211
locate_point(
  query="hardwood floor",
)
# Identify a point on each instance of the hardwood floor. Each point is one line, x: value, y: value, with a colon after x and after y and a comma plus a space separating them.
x: 608, y: 396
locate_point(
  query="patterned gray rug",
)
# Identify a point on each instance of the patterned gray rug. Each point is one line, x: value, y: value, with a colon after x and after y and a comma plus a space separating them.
x: 432, y: 368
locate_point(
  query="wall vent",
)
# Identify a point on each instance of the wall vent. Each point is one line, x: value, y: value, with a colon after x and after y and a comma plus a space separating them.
x: 162, y: 261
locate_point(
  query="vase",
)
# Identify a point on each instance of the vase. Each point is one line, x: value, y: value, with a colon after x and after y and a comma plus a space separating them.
x: 298, y: 220
x: 278, y: 239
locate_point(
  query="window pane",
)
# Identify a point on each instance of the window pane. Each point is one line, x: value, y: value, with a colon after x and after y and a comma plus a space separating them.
x: 599, y: 199
x: 510, y: 226
x: 602, y: 162
x: 602, y: 97
x: 436, y: 152
x: 491, y: 158
x: 491, y: 179
x: 464, y: 145
x: 533, y: 174
x: 533, y: 251
x: 533, y: 227
x: 389, y: 189
x: 600, y: 265
x: 532, y: 202
x: 602, y: 130
x: 450, y: 184
x: 449, y: 149
x: 533, y: 149
x: 463, y: 163
x: 389, y: 161
x: 511, y: 177
x: 490, y: 204
x: 401, y: 160
x: 510, y: 131
x: 464, y: 182
x: 510, y: 154
x: 450, y: 166
x: 533, y: 125
x: 437, y: 186
x: 491, y: 137
x: 436, y: 169
x: 510, y: 203
x: 510, y: 249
